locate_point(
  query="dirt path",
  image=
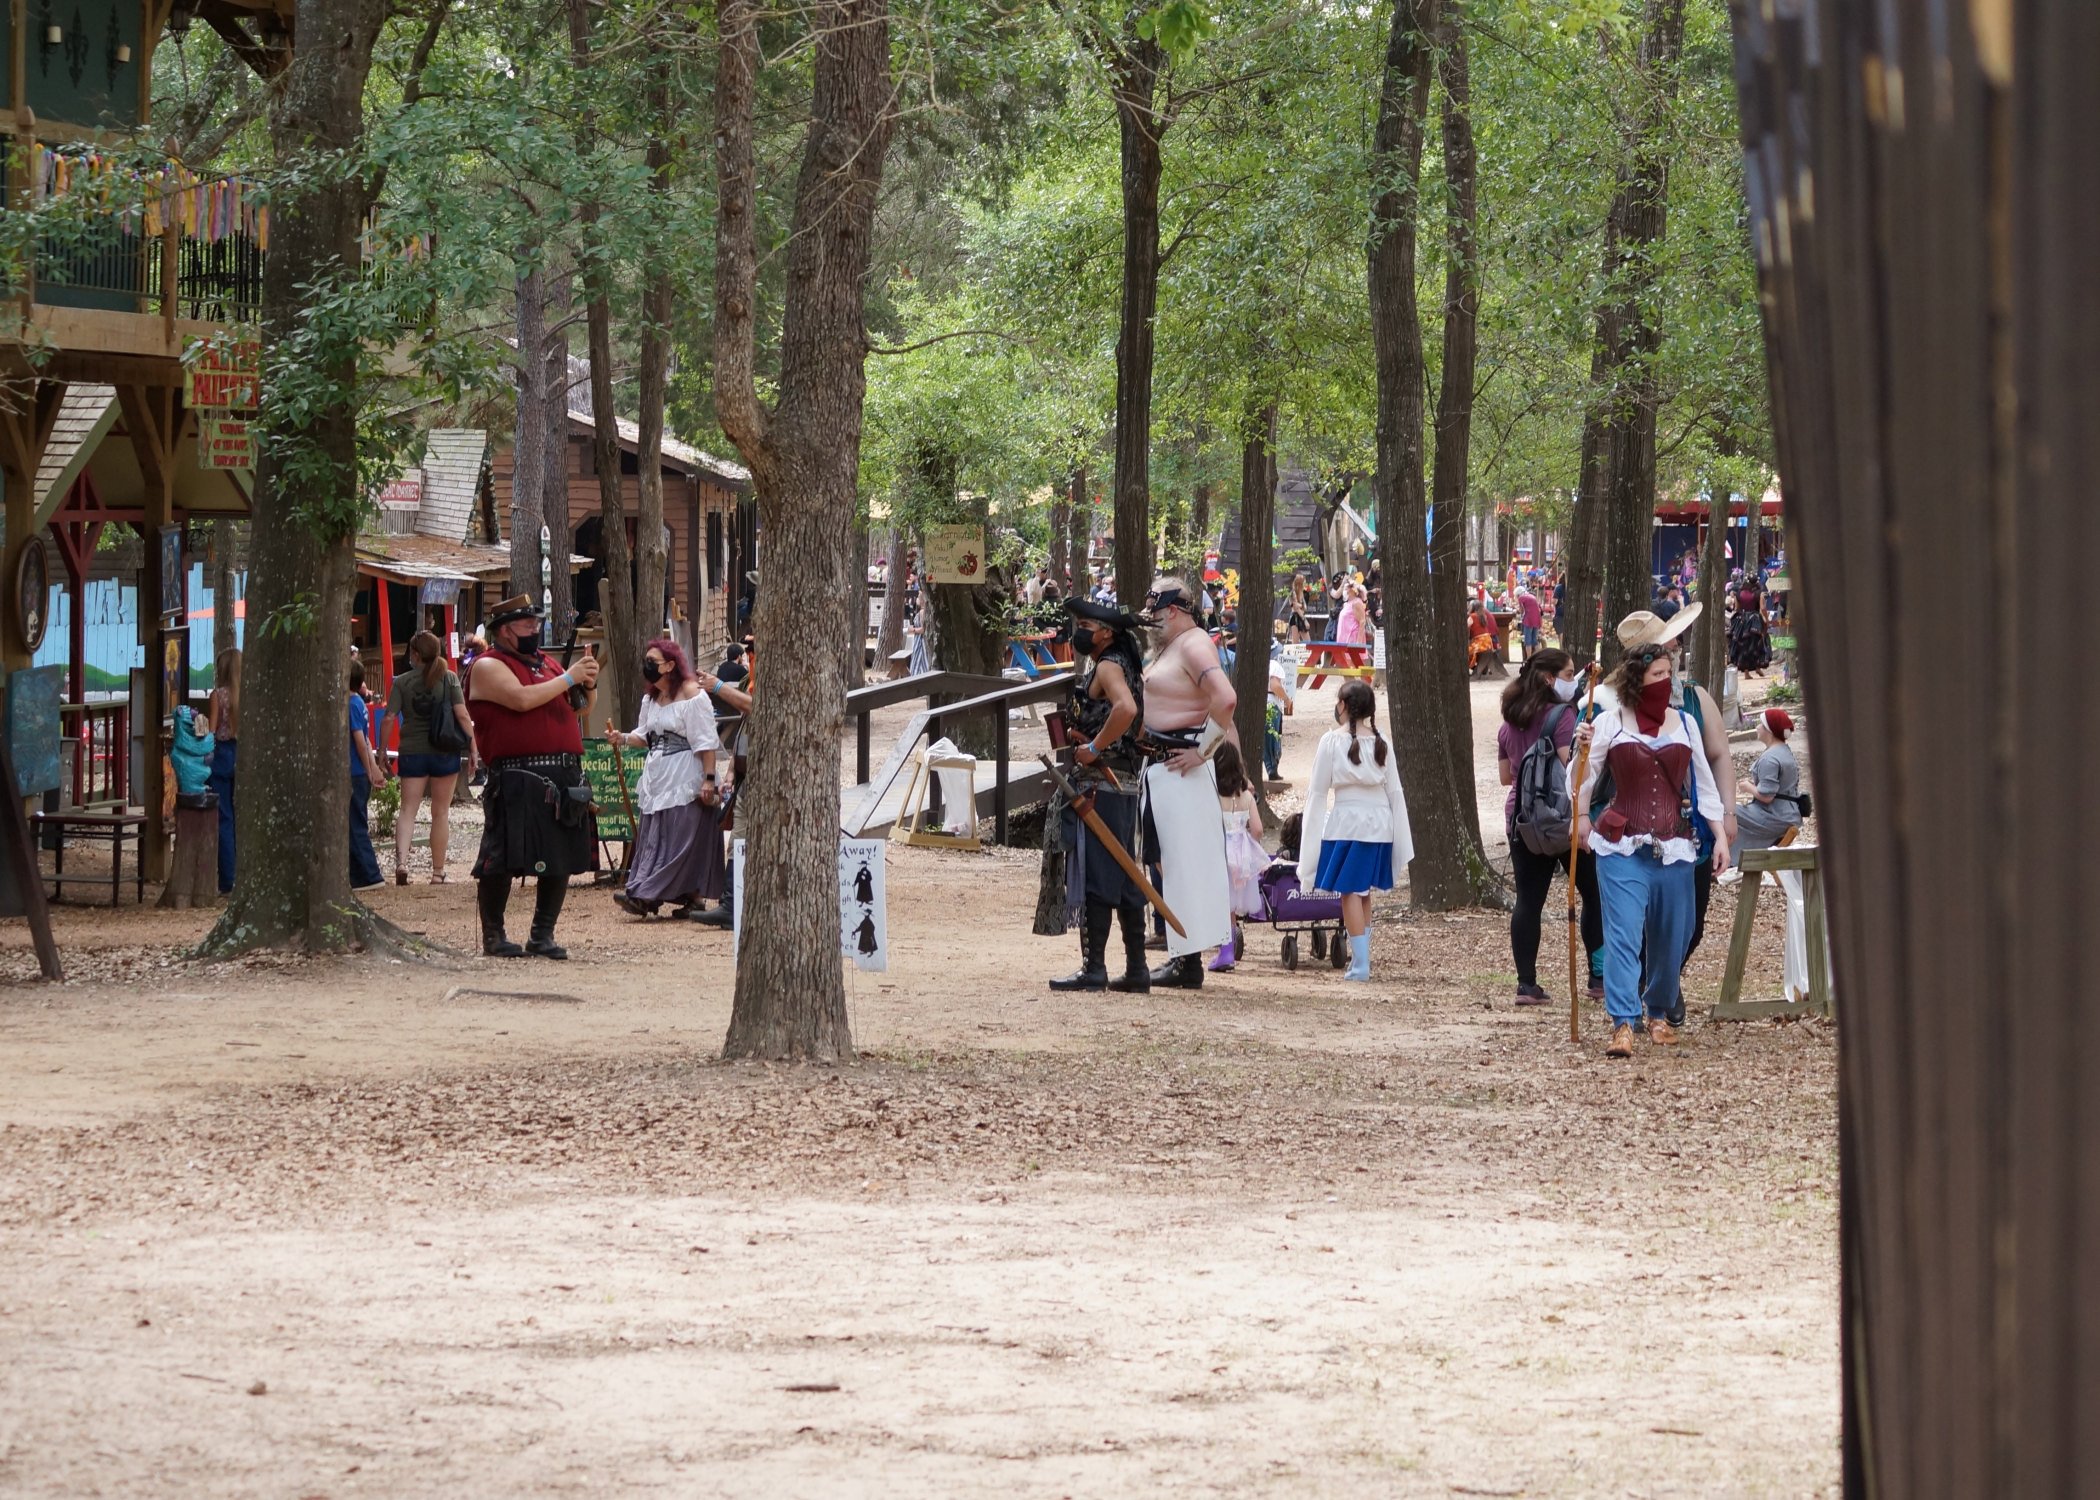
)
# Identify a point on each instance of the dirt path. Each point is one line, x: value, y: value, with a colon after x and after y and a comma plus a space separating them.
x: 1281, y: 1236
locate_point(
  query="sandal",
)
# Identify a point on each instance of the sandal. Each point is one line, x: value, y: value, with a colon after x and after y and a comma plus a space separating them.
x: 400, y: 876
x: 437, y: 877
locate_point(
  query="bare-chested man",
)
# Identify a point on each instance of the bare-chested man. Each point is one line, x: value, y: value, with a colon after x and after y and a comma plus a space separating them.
x: 1188, y: 697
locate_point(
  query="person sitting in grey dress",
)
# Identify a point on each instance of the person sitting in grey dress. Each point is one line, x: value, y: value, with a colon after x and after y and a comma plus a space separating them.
x: 1772, y: 805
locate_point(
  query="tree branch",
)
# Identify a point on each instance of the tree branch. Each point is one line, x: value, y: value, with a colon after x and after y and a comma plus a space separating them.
x: 960, y: 333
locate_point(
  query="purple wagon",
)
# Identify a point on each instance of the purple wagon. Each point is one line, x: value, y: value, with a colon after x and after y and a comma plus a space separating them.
x: 1293, y: 913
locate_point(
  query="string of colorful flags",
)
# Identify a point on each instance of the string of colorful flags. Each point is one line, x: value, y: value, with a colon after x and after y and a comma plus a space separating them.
x: 209, y: 210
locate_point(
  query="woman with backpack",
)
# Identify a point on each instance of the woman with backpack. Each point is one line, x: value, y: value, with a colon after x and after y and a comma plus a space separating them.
x: 436, y: 732
x: 1353, y: 847
x: 1645, y: 840
x: 1539, y: 710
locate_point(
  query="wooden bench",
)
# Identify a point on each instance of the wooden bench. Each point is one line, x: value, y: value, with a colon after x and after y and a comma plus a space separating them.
x: 112, y: 828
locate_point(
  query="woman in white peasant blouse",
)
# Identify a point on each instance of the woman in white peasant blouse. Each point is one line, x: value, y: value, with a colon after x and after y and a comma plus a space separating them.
x: 1355, y: 846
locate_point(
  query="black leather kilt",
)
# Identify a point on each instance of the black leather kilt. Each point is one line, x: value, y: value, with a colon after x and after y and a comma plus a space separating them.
x: 539, y: 819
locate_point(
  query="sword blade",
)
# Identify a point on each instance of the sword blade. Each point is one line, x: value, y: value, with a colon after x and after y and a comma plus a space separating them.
x: 1085, y: 808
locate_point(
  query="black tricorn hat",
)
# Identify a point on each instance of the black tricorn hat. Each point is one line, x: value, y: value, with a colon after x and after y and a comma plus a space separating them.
x: 1106, y: 614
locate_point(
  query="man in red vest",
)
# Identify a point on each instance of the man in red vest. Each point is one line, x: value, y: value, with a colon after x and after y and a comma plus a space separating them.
x: 525, y: 708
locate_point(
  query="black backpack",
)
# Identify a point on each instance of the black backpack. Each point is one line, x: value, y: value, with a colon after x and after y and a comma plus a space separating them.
x: 446, y: 737
x: 1545, y: 817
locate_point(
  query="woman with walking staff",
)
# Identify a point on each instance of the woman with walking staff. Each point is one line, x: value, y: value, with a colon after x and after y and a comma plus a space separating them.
x: 679, y: 795
x: 1664, y: 805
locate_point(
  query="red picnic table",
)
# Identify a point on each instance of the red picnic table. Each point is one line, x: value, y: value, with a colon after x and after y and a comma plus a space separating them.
x: 1344, y: 658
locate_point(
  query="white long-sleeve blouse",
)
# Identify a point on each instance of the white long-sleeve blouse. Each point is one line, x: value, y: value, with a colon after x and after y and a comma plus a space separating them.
x: 1367, y: 802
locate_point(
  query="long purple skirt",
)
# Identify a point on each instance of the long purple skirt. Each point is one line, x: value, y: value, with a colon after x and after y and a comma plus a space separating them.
x: 677, y: 855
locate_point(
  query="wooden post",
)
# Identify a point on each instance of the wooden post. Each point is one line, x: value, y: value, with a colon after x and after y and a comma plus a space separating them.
x: 153, y: 416
x: 1001, y: 736
x: 386, y: 636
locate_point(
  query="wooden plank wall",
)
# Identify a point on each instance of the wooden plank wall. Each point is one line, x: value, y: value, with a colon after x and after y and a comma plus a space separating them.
x: 688, y: 523
x: 1921, y: 193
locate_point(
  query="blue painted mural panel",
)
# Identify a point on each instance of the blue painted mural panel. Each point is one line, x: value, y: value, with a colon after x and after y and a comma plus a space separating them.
x: 111, y: 609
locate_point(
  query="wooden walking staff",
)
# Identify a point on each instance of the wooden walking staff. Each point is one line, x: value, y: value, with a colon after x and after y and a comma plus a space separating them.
x: 1582, y: 767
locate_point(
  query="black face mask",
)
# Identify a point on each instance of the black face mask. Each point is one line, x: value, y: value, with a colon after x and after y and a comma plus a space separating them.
x: 1083, y: 645
x: 528, y: 644
x: 651, y: 671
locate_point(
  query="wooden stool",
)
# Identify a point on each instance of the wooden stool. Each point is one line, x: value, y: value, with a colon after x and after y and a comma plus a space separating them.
x: 1755, y: 863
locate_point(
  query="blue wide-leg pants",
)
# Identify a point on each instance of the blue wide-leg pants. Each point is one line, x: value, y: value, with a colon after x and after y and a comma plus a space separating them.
x: 1645, y: 901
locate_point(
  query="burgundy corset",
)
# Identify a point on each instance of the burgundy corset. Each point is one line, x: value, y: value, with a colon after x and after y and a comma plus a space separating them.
x: 1648, y: 788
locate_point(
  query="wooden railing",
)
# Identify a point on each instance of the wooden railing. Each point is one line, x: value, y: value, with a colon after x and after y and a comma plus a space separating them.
x: 949, y: 697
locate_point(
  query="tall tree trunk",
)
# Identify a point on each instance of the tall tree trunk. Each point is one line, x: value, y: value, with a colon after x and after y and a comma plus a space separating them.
x: 1446, y: 868
x: 658, y: 292
x: 1199, y: 518
x: 857, y: 619
x: 1250, y: 672
x: 531, y: 432
x: 227, y: 548
x: 554, y: 453
x: 1450, y: 480
x: 1933, y: 337
x: 1082, y: 541
x: 1629, y: 459
x: 1141, y: 127
x: 620, y: 691
x: 1709, y: 647
x: 804, y: 456
x: 292, y: 819
x: 1583, y: 555
x: 1060, y: 538
x: 895, y: 588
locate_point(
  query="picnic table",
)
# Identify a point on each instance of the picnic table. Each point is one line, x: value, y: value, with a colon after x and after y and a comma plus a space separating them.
x: 1339, y: 658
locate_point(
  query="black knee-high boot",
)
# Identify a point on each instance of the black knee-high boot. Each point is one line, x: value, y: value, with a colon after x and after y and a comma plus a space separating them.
x: 546, y: 910
x: 492, y: 895
x: 1135, y: 979
x: 1093, y: 951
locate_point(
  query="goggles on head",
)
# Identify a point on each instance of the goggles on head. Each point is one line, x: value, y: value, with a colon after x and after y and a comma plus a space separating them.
x: 1161, y: 600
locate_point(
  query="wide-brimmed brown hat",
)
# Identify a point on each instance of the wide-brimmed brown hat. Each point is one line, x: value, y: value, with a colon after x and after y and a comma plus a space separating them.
x: 516, y: 607
x: 1646, y: 628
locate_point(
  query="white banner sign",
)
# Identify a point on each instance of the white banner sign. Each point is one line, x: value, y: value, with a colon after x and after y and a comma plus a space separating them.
x: 864, y: 923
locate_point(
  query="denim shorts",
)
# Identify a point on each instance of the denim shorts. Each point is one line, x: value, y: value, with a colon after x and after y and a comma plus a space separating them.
x: 426, y: 765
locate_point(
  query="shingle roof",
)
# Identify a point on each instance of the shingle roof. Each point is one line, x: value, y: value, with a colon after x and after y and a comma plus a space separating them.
x: 452, y: 468
x: 84, y: 415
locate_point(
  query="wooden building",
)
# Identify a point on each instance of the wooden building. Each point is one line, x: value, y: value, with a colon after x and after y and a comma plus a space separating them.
x: 95, y: 431
x: 708, y: 509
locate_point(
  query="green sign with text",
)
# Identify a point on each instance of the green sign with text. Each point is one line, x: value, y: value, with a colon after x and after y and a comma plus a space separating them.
x: 598, y: 765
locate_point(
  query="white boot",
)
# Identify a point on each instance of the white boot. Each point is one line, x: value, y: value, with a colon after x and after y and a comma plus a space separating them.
x: 1359, y: 959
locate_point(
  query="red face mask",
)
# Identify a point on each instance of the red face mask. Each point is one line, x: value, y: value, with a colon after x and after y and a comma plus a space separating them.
x: 1652, y: 705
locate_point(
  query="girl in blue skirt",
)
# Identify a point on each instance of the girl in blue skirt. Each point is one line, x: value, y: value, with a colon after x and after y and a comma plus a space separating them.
x: 1353, y: 847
